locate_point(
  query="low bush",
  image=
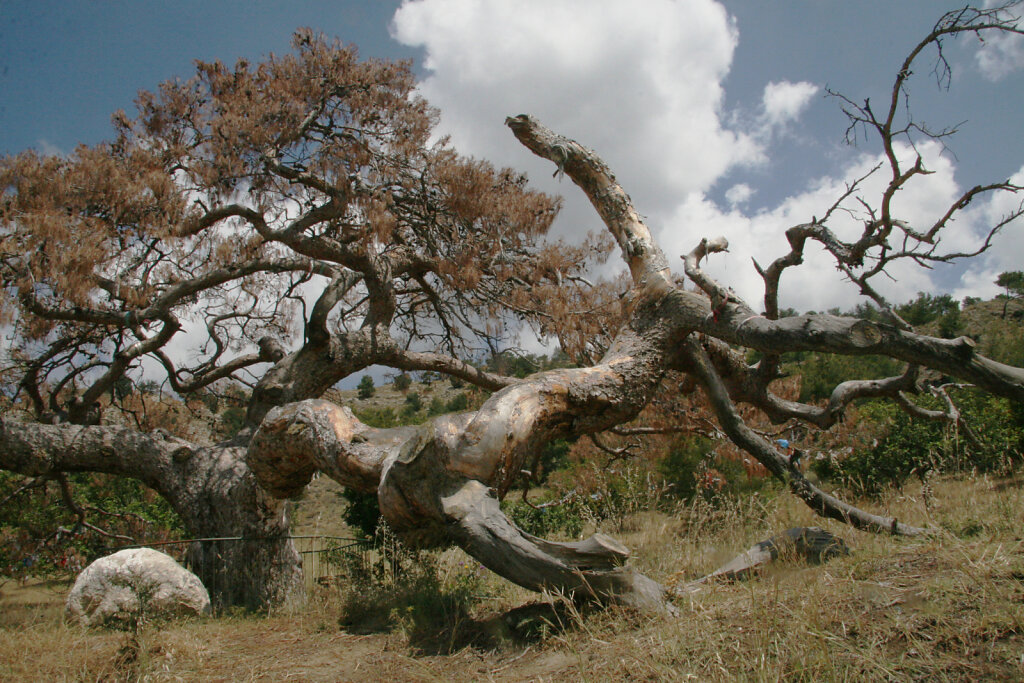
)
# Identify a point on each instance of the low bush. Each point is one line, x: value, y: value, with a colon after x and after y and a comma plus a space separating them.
x: 692, y: 468
x: 908, y: 446
x: 398, y: 588
x: 382, y: 418
x: 565, y: 519
x: 365, y: 388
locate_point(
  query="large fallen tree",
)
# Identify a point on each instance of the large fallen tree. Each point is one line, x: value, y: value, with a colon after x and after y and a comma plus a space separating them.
x: 415, y: 248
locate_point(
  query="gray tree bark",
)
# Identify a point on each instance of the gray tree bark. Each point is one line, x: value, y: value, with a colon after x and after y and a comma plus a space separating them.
x: 211, y: 488
x: 441, y: 482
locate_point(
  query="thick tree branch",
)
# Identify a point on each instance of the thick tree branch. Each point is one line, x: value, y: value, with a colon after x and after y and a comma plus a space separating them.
x: 646, y: 262
x: 404, y: 359
x: 856, y: 337
x: 39, y: 450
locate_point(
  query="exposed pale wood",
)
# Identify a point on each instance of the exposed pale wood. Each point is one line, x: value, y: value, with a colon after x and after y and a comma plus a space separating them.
x: 809, y: 544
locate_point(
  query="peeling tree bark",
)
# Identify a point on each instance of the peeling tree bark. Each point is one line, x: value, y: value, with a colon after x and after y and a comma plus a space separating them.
x: 440, y: 482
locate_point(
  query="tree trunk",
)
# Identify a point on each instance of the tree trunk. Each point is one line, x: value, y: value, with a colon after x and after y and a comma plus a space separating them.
x: 439, y: 482
x: 261, y: 569
x: 211, y: 488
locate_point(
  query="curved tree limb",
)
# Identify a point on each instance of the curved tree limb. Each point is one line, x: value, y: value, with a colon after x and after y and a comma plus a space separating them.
x: 427, y: 497
x: 747, y: 439
x: 733, y: 321
x: 647, y: 263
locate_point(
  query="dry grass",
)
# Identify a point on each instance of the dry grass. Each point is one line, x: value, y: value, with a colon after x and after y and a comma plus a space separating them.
x: 949, y: 607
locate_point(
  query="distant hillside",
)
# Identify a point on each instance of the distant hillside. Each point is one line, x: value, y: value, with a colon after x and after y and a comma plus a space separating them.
x: 1000, y: 338
x: 387, y: 396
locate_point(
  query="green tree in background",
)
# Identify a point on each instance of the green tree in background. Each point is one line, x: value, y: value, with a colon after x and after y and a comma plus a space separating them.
x: 1013, y: 282
x: 365, y: 387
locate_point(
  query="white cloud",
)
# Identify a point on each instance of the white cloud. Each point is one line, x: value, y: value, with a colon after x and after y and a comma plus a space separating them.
x: 1000, y: 55
x: 784, y: 101
x: 816, y: 285
x: 644, y: 88
x: 47, y: 148
x: 1008, y: 250
x: 739, y: 193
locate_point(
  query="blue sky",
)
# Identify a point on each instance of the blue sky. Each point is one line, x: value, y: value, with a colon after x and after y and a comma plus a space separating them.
x: 66, y: 65
x: 712, y: 114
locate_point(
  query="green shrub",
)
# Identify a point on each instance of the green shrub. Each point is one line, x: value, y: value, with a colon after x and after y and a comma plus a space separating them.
x: 365, y: 388
x: 40, y: 535
x: 232, y: 420
x: 909, y: 446
x: 382, y: 418
x: 402, y: 382
x: 437, y: 407
x: 395, y: 587
x: 362, y: 513
x: 927, y: 308
x: 691, y: 468
x: 413, y: 401
x: 458, y: 403
x: 821, y: 372
x: 558, y: 519
x: 600, y: 495
x: 553, y: 457
x: 684, y: 462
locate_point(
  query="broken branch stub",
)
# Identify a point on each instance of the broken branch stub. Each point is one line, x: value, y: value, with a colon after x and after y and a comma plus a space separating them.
x: 809, y: 544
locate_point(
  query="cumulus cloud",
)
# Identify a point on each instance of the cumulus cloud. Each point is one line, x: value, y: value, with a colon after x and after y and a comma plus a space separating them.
x: 738, y: 194
x: 645, y: 90
x: 784, y: 101
x: 1008, y: 250
x: 1000, y: 55
x: 816, y: 285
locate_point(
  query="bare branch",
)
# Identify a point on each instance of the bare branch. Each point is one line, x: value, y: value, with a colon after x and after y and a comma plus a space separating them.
x: 737, y: 430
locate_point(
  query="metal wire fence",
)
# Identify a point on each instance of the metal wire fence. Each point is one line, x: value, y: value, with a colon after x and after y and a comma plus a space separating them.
x: 325, y: 560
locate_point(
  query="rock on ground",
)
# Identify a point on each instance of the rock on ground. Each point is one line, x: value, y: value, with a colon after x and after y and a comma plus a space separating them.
x: 134, y: 585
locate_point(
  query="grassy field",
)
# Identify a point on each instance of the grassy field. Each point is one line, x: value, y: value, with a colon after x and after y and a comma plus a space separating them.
x: 946, y: 607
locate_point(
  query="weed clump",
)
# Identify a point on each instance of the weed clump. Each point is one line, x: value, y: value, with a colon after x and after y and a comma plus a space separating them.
x: 397, y: 588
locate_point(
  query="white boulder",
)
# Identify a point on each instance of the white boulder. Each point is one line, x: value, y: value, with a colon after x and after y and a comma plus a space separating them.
x: 133, y: 585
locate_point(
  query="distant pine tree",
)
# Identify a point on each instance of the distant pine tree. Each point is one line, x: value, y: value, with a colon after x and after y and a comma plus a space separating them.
x: 365, y: 388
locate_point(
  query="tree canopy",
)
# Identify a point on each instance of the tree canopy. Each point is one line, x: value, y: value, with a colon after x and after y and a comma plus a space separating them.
x: 249, y: 203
